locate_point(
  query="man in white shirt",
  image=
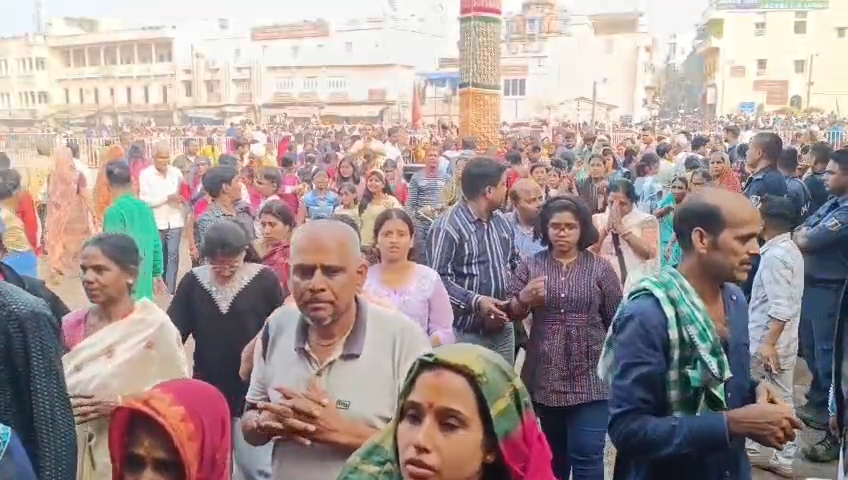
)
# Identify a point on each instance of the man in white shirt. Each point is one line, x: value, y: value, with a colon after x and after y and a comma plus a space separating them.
x: 392, y: 150
x: 159, y: 185
x: 774, y: 316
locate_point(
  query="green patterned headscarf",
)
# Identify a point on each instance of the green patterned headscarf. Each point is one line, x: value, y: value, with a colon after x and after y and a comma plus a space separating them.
x: 523, y: 446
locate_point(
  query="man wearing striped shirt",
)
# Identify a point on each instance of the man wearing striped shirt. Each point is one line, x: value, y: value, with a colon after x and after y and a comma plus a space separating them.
x: 426, y: 189
x: 472, y: 247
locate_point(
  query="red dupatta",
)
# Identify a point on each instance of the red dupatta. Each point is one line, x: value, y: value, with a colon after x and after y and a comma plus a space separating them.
x: 276, y: 258
x: 196, y: 417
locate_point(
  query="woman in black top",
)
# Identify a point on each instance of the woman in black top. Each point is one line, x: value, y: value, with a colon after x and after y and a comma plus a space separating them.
x: 223, y: 304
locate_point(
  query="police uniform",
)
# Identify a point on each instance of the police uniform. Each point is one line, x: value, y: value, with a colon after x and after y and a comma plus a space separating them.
x: 826, y: 277
x: 768, y: 181
x: 798, y: 192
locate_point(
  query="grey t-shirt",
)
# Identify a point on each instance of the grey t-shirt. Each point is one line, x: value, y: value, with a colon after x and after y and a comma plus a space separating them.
x: 365, y: 380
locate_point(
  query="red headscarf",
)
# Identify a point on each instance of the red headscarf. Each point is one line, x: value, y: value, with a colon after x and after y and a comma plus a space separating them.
x: 195, y: 415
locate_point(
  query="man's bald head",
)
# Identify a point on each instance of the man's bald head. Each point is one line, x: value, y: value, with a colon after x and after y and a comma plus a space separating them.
x: 342, y: 236
x: 327, y: 270
x: 709, y: 211
x: 524, y: 188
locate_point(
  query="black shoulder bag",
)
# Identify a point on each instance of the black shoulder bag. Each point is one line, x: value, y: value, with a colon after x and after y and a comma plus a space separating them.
x: 616, y: 243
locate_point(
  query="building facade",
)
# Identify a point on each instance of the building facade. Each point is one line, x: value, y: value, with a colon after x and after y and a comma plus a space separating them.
x: 768, y: 56
x: 362, y: 69
x: 26, y: 89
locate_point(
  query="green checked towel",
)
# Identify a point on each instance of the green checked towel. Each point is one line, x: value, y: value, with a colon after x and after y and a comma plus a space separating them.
x: 698, y: 367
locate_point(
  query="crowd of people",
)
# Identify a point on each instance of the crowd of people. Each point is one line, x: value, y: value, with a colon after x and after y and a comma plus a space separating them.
x: 358, y: 304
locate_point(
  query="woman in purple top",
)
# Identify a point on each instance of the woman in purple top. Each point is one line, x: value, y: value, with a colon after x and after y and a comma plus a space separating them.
x: 416, y: 290
x: 573, y: 295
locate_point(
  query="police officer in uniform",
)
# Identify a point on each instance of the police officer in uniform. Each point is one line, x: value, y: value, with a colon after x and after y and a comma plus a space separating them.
x: 823, y: 239
x: 763, y: 153
x: 795, y: 188
x: 761, y: 161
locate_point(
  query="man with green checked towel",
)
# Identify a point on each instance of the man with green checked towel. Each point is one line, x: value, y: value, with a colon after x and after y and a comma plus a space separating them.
x: 682, y: 401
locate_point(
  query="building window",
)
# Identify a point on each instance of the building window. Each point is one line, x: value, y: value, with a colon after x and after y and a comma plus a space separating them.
x: 310, y: 84
x: 4, y: 68
x: 762, y: 65
x: 295, y: 49
x: 97, y: 96
x: 533, y: 25
x: 30, y: 65
x: 129, y: 95
x: 146, y: 94
x: 349, y: 46
x: 760, y: 29
x: 243, y: 86
x: 112, y: 94
x: 800, y: 27
x: 840, y: 32
x: 81, y: 96
x: 800, y: 66
x: 187, y: 88
x: 165, y: 94
x: 515, y: 87
x: 41, y: 64
x: 285, y: 85
x: 67, y: 96
x: 337, y: 84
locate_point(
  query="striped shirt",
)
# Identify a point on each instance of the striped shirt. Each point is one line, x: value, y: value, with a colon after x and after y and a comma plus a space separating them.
x: 474, y: 258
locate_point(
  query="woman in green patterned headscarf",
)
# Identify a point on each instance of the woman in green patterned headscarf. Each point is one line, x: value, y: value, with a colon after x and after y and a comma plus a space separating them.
x: 463, y: 414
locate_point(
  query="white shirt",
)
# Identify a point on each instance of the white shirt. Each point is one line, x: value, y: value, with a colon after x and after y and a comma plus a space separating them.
x: 393, y: 153
x: 776, y: 294
x: 154, y: 189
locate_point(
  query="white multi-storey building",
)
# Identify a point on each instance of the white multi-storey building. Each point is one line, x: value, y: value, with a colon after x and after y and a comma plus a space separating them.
x: 751, y: 55
x: 25, y: 84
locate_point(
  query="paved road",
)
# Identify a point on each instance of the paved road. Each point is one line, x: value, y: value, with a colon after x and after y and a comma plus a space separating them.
x: 71, y: 291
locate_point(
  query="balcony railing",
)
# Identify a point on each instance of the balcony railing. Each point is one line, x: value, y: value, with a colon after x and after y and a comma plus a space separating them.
x: 129, y: 70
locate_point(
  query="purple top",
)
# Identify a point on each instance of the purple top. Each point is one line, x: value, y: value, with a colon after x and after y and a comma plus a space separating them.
x: 424, y: 300
x: 569, y: 329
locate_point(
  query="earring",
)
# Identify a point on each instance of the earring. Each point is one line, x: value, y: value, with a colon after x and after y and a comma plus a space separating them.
x: 489, y: 458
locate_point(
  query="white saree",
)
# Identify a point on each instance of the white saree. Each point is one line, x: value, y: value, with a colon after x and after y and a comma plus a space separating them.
x: 127, y: 357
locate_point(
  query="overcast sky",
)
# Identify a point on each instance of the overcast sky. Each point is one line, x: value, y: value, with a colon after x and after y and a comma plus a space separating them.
x: 665, y: 16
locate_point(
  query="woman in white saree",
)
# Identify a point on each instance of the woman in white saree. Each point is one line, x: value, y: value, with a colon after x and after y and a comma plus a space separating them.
x: 629, y: 237
x: 117, y: 347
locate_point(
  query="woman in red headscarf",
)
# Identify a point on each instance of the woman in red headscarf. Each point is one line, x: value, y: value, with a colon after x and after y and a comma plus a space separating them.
x: 179, y: 429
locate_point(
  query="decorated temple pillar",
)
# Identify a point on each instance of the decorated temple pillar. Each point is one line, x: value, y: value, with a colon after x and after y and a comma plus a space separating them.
x: 480, y: 71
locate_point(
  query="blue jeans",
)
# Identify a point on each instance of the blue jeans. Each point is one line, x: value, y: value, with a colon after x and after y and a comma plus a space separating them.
x: 254, y: 463
x: 502, y: 342
x: 820, y: 309
x: 170, y: 256
x: 577, y: 436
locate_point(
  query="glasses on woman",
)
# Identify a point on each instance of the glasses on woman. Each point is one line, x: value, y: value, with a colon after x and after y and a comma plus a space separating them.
x: 226, y: 265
